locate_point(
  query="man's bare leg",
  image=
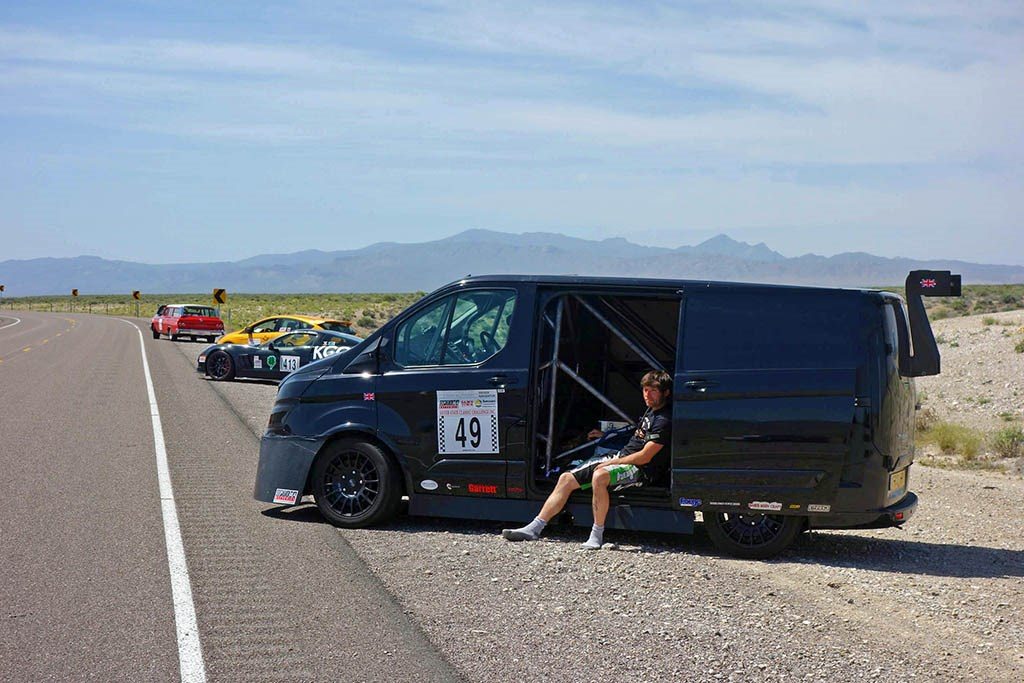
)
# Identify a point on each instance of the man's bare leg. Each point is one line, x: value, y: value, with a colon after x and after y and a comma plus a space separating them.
x: 552, y: 506
x: 600, y: 508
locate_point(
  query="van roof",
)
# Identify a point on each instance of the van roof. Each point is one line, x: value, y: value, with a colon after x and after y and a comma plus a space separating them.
x: 637, y: 282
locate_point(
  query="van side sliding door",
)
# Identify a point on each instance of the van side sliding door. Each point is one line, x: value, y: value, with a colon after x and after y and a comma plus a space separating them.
x: 765, y: 386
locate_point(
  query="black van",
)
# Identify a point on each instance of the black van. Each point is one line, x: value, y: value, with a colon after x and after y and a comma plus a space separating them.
x: 793, y: 407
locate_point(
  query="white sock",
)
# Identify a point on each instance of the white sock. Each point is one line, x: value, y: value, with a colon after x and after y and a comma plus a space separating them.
x: 596, y: 537
x: 536, y: 526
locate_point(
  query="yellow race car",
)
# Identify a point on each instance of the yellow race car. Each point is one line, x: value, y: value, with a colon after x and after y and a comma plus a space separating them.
x: 269, y: 328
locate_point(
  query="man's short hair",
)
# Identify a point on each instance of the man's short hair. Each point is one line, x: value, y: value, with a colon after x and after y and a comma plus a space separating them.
x: 657, y: 378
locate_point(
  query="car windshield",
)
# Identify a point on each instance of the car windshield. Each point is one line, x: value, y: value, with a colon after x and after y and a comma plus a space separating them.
x: 335, y: 326
x: 199, y: 310
x: 294, y: 339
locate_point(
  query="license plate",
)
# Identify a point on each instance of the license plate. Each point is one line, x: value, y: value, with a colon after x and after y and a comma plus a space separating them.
x: 897, y: 482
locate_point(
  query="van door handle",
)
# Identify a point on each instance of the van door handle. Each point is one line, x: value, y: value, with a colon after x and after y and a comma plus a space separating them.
x: 700, y: 385
x: 501, y: 380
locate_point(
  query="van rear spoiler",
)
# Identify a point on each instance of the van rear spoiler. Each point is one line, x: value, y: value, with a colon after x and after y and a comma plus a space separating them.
x: 925, y: 357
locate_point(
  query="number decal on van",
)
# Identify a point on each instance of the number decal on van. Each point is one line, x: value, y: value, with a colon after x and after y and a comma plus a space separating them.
x: 467, y: 421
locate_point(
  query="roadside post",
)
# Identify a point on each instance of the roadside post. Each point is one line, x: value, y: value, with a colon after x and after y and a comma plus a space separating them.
x: 220, y: 296
x: 136, y: 294
x: 74, y: 295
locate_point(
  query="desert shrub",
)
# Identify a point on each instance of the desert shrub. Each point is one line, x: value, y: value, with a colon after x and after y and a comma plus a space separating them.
x: 926, y: 419
x: 940, y: 313
x: 1009, y: 299
x: 1009, y: 442
x: 1019, y: 348
x: 988, y: 320
x: 366, y: 322
x: 954, y: 438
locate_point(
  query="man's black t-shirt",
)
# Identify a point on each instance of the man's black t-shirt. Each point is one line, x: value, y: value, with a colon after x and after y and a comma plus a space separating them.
x: 656, y: 426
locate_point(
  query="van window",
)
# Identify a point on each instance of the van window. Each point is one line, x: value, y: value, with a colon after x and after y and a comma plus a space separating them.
x: 743, y: 330
x: 461, y: 329
x: 418, y: 339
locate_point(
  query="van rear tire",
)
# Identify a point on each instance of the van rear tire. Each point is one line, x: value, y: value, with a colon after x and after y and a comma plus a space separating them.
x: 752, y: 535
x: 355, y: 484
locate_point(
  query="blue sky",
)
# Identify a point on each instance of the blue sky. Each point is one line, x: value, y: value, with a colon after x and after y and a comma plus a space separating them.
x: 170, y: 132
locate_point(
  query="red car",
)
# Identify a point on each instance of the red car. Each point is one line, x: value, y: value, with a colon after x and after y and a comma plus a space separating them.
x: 187, y: 320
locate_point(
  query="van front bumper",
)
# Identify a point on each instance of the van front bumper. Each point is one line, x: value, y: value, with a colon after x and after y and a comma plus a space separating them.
x: 894, y: 515
x: 284, y: 466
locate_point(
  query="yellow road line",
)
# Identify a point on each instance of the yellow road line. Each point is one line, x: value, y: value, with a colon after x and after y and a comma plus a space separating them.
x: 26, y: 349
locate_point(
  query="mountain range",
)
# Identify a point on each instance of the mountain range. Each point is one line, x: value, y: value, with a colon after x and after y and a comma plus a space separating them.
x: 394, y: 267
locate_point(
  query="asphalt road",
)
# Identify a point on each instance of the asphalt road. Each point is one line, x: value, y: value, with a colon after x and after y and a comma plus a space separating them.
x: 87, y: 590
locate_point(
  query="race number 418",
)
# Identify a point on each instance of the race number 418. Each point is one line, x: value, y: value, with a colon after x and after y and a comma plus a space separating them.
x: 467, y: 421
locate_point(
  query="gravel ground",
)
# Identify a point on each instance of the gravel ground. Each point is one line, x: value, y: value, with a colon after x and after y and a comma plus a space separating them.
x: 939, y: 600
x: 982, y: 379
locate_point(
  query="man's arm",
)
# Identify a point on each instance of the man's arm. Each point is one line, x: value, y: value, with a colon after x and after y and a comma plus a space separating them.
x: 641, y: 457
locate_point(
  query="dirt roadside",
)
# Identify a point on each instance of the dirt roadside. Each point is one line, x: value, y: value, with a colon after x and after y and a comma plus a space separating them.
x: 981, y: 385
x: 939, y: 600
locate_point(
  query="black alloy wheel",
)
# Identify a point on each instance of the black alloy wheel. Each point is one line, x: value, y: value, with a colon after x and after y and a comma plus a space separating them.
x: 219, y: 366
x: 156, y: 335
x: 355, y: 484
x: 752, y: 535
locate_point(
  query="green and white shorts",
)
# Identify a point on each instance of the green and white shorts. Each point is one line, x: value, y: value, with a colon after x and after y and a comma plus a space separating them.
x: 622, y: 476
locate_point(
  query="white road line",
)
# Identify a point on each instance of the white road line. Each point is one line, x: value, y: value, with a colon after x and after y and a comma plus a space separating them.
x: 16, y: 321
x: 190, y: 652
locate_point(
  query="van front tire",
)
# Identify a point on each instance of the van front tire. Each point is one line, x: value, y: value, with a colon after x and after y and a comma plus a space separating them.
x: 750, y: 535
x: 355, y: 484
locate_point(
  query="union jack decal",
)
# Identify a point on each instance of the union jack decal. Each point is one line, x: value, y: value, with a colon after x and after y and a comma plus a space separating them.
x: 369, y: 397
x: 929, y: 283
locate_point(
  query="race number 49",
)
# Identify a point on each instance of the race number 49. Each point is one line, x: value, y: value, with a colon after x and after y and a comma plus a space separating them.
x: 467, y: 421
x: 474, y: 432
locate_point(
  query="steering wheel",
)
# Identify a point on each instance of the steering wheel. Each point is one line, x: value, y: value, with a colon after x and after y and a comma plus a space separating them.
x: 461, y: 350
x: 487, y: 343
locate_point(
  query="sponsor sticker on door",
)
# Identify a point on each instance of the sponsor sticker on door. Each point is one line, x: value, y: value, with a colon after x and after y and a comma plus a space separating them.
x: 286, y: 496
x: 765, y: 505
x: 467, y: 421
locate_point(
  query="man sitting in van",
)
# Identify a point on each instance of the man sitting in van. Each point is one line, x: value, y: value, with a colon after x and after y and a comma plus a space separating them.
x: 641, y: 461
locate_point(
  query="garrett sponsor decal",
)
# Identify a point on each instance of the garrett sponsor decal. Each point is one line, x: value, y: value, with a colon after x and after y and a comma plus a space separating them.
x: 819, y: 508
x: 764, y: 505
x: 689, y: 502
x: 286, y: 496
x: 724, y: 504
x: 483, y: 488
